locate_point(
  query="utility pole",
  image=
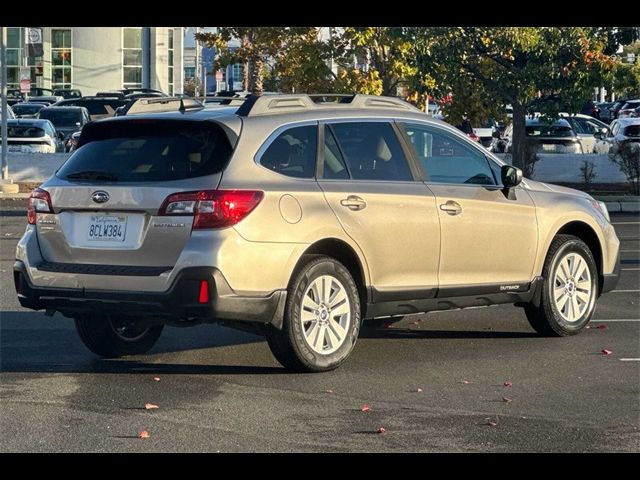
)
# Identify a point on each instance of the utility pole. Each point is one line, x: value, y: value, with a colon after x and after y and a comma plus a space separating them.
x: 6, y: 185
x: 197, y: 65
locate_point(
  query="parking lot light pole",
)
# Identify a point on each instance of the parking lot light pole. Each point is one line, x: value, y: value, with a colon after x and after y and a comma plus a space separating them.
x: 6, y: 185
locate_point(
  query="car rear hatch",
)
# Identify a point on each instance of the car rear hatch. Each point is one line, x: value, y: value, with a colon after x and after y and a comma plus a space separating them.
x: 107, y: 200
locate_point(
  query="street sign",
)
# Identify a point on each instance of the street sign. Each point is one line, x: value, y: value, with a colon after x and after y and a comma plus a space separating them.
x: 25, y: 79
x: 219, y: 76
x: 34, y: 42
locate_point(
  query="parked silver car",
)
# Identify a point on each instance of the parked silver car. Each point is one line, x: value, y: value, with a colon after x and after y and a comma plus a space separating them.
x: 298, y: 220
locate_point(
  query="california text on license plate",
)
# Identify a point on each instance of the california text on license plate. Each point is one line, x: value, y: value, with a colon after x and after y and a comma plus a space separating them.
x: 110, y: 228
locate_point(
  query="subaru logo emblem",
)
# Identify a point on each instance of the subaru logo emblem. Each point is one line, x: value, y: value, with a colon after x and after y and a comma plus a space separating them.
x: 100, y: 196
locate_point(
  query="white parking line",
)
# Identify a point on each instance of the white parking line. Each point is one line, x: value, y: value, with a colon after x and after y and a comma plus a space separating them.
x: 617, y: 320
x: 629, y: 359
x: 624, y: 291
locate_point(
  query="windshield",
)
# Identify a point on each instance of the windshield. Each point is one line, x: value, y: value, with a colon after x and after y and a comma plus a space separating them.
x: 27, y: 109
x: 24, y: 131
x: 97, y: 107
x: 62, y: 118
x: 632, y: 131
x: 549, y: 131
x: 148, y: 152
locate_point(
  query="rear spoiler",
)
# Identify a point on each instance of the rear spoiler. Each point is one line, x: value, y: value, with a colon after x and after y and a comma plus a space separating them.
x: 159, y: 104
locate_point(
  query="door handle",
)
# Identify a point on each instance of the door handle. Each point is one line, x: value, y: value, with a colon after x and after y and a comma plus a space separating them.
x: 451, y: 207
x: 353, y: 202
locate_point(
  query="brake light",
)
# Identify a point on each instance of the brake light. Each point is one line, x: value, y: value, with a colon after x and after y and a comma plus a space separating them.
x: 39, y: 201
x: 212, y: 208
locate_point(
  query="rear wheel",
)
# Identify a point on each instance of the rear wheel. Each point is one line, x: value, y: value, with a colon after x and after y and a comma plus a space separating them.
x: 322, y: 318
x: 569, y: 290
x: 113, y: 336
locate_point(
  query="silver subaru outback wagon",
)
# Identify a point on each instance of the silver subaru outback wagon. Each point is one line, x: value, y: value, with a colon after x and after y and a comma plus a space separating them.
x: 299, y: 217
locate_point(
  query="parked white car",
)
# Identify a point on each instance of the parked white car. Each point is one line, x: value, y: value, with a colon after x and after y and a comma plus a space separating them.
x: 623, y: 130
x: 586, y: 127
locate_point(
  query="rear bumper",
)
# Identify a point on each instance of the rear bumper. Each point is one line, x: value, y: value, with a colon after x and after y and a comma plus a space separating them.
x: 610, y: 280
x: 180, y: 301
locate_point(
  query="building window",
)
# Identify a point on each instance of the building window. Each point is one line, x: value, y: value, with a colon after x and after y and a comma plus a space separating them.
x: 170, y: 62
x: 15, y: 58
x: 189, y: 72
x: 61, y: 58
x: 237, y: 76
x: 131, y: 57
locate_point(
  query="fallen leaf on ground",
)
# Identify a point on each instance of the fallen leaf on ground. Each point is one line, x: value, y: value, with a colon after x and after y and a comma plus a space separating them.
x: 491, y: 422
x: 466, y: 382
x: 150, y: 406
x: 328, y: 391
x: 144, y: 434
x: 419, y: 390
x: 508, y: 383
x: 156, y: 379
x: 602, y: 326
x: 507, y: 399
x: 365, y: 408
x: 381, y: 430
x: 606, y: 351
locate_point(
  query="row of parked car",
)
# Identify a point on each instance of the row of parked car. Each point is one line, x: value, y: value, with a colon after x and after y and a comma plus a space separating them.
x: 50, y: 123
x: 610, y: 111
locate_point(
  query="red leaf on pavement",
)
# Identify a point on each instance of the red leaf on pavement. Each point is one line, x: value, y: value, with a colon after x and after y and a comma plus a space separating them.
x: 602, y: 326
x: 144, y: 434
x: 150, y: 406
x: 419, y: 390
x: 508, y: 383
x: 156, y: 379
x: 507, y: 399
x: 365, y: 408
x: 606, y: 351
x: 381, y: 430
x: 466, y: 382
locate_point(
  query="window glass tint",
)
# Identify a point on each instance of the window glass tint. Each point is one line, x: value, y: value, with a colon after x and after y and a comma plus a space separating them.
x: 333, y: 163
x: 446, y: 159
x: 129, y: 151
x: 293, y: 152
x: 372, y: 151
x: 632, y: 131
x: 62, y: 118
x: 542, y: 130
x: 24, y: 132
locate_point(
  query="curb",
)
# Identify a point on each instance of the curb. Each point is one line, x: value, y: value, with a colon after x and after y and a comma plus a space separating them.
x: 623, y: 207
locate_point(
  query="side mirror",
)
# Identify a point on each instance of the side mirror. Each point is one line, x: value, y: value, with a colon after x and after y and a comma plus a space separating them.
x: 511, y: 176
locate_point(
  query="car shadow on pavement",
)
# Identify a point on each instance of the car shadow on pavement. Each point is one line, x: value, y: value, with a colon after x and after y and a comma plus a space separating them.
x: 394, y: 332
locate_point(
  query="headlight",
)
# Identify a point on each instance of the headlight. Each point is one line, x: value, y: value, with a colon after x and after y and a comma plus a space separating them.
x: 602, y: 208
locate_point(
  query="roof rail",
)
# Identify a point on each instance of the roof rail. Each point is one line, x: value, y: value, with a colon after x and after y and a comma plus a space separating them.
x: 160, y: 104
x: 272, y: 104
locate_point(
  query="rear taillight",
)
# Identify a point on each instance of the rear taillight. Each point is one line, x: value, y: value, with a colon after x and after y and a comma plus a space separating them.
x: 212, y: 208
x: 39, y: 202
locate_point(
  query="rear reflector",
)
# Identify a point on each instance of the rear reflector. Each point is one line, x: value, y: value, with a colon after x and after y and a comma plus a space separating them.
x: 203, y: 296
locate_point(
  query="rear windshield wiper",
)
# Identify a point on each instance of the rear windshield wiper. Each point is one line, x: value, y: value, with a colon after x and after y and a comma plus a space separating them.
x: 93, y: 175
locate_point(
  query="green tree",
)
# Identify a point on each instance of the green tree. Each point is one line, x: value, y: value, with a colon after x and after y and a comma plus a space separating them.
x: 520, y: 66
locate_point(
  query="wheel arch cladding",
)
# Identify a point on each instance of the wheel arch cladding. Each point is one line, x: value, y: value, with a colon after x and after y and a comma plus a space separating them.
x: 343, y: 253
x: 585, y: 233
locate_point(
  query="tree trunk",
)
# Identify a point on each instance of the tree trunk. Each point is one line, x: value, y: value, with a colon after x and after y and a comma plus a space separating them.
x: 518, y: 150
x: 256, y: 75
x: 245, y: 76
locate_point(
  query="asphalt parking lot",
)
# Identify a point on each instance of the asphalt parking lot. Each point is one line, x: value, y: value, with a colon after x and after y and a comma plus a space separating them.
x: 435, y: 382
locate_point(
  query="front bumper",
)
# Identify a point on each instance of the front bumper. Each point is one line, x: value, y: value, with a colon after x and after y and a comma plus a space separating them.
x: 610, y: 280
x: 180, y: 301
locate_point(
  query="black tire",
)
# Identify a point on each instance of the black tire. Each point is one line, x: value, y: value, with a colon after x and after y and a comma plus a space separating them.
x: 288, y: 345
x: 547, y: 319
x: 99, y: 335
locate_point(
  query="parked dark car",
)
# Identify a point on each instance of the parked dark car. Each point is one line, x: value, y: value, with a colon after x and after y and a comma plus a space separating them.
x: 14, y: 96
x: 98, y: 107
x: 67, y: 93
x: 605, y: 111
x: 28, y: 109
x: 41, y: 92
x: 49, y: 100
x: 615, y: 109
x: 33, y: 136
x: 628, y: 109
x: 67, y: 120
x: 591, y: 108
x: 542, y: 137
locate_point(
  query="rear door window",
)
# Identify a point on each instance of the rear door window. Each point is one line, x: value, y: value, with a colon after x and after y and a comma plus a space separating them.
x: 147, y: 151
x: 372, y: 151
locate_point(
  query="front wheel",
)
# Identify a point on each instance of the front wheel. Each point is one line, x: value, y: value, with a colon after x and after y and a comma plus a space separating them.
x: 569, y: 289
x: 321, y: 320
x: 113, y: 336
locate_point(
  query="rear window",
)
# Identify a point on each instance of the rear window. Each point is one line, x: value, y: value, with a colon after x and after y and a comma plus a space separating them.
x: 632, y: 131
x: 62, y: 118
x: 25, y: 132
x: 148, y: 151
x: 27, y: 109
x: 96, y: 107
x: 549, y: 131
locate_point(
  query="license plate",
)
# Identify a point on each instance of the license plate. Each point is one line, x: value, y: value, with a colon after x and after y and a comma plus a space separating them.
x: 549, y: 148
x: 107, y: 228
